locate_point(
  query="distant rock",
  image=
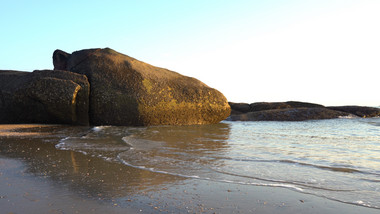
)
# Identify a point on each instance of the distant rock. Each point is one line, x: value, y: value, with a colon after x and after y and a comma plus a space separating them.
x: 238, y: 108
x: 125, y: 91
x: 281, y: 105
x: 360, y: 111
x: 44, y: 96
x: 295, y: 111
x: 289, y: 114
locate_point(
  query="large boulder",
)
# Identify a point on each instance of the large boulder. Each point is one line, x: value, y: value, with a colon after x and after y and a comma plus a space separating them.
x: 289, y: 114
x: 44, y: 96
x: 125, y: 91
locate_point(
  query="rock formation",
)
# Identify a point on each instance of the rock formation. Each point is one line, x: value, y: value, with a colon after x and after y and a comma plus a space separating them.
x: 104, y: 87
x: 289, y: 114
x: 360, y: 111
x: 125, y: 91
x: 294, y: 111
x: 46, y: 96
x: 239, y: 108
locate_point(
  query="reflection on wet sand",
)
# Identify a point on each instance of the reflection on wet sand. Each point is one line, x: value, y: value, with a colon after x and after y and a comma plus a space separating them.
x: 61, y: 169
x: 75, y: 163
x: 191, y: 138
x: 95, y: 176
x: 13, y: 130
x: 178, y: 150
x: 83, y: 174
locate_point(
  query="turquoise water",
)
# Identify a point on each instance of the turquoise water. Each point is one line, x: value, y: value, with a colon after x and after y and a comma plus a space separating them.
x: 338, y: 159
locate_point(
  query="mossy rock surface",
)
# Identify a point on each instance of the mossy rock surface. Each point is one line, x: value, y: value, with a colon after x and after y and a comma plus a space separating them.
x: 126, y: 91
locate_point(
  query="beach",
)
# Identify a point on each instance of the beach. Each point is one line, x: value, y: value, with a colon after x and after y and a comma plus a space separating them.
x: 36, y: 177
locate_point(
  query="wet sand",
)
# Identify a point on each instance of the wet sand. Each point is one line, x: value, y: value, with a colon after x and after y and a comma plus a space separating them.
x: 12, y: 130
x: 21, y: 192
x: 35, y: 177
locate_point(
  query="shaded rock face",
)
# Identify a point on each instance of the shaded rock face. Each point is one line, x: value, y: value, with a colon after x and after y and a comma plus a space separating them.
x: 44, y: 96
x: 360, y: 111
x: 281, y: 105
x: 284, y: 111
x: 289, y: 114
x: 125, y: 91
x: 238, y: 108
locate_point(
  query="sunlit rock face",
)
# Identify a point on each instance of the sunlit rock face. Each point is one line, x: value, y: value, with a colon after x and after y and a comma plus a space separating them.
x: 125, y: 91
x: 44, y: 96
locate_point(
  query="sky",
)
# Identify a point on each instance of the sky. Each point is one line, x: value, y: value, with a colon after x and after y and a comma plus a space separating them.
x: 320, y: 51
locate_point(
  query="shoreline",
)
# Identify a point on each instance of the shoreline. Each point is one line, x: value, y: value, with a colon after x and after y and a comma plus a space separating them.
x: 35, y: 177
x: 22, y: 192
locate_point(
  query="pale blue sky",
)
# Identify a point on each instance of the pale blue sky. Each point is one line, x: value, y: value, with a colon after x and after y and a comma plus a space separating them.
x: 323, y: 51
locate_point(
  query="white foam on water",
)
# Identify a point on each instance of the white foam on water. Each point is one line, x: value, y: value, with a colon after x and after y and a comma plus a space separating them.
x: 210, y: 179
x: 350, y: 116
x: 62, y: 145
x: 142, y: 144
x: 269, y: 154
x: 99, y: 128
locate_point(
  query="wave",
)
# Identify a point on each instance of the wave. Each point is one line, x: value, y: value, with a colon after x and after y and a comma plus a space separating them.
x: 331, y: 168
x: 282, y: 182
x: 374, y: 123
x: 94, y: 143
x: 99, y: 128
x: 283, y: 185
x: 350, y: 116
x: 343, y: 169
x: 141, y: 144
x: 371, y: 180
x: 166, y: 151
x: 295, y: 186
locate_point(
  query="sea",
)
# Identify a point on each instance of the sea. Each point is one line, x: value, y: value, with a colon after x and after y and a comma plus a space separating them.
x: 336, y: 159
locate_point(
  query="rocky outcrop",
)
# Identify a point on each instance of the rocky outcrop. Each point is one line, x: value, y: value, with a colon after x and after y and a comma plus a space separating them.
x: 125, y: 91
x: 360, y: 111
x: 261, y: 106
x: 238, y: 108
x: 289, y: 114
x: 287, y: 111
x: 44, y: 96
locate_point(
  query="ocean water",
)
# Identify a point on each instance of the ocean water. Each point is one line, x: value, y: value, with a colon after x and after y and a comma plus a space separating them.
x: 337, y: 159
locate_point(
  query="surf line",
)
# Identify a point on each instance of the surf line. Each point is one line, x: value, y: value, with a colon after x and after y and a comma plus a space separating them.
x: 287, y: 186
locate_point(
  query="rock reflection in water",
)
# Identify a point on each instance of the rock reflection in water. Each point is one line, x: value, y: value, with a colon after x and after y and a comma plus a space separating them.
x: 100, y: 178
x: 184, y: 151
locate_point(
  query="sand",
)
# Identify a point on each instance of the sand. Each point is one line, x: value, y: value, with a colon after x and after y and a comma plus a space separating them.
x: 35, y: 177
x: 10, y: 130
